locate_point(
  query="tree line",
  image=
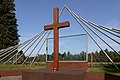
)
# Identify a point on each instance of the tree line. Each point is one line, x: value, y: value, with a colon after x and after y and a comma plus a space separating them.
x: 98, y: 56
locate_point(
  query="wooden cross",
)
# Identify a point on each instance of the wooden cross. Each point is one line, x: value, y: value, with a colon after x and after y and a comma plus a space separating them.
x: 55, y: 26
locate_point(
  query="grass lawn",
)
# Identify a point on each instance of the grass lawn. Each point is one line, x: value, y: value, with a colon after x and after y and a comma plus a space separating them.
x: 19, y: 67
x: 25, y: 67
x: 106, y: 70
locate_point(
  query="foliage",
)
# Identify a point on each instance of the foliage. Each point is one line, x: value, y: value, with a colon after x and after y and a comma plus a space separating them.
x: 8, y: 24
x: 101, y: 57
x: 68, y: 56
x: 97, y: 56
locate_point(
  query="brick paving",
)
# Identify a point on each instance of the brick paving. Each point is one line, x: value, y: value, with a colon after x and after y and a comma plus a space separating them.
x: 11, y: 78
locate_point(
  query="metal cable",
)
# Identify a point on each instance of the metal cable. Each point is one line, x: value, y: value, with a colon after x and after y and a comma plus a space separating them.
x: 84, y: 22
x: 15, y: 50
x: 62, y: 11
x: 94, y: 26
x: 109, y: 29
x: 25, y: 45
x: 40, y: 49
x: 7, y: 49
x: 75, y: 17
x: 103, y: 28
x: 34, y: 48
x: 2, y: 50
x: 9, y: 54
x: 17, y: 47
x: 116, y: 30
x: 29, y: 47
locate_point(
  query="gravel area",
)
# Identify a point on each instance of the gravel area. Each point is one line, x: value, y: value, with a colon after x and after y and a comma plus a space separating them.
x: 11, y: 78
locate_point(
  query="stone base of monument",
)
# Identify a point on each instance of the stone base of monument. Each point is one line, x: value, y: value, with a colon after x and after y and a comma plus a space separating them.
x: 67, y: 71
x: 47, y: 74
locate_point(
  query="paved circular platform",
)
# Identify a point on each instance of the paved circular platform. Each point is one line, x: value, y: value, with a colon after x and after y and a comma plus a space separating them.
x: 11, y: 78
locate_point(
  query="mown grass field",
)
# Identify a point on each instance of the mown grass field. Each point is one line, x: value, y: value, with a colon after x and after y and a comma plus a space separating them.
x: 105, y: 70
x: 27, y: 67
x: 19, y: 67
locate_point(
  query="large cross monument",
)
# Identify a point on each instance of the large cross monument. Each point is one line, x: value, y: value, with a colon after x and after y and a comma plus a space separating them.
x: 68, y: 70
x: 55, y: 26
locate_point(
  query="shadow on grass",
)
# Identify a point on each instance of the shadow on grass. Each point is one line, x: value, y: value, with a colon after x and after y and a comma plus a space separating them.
x: 112, y: 69
x: 108, y: 69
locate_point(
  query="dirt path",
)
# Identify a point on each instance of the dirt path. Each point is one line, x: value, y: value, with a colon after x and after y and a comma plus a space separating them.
x: 11, y: 78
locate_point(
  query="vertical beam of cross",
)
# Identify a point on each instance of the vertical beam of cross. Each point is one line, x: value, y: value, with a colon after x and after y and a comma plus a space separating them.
x: 55, y: 26
x: 56, y: 41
